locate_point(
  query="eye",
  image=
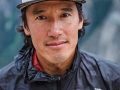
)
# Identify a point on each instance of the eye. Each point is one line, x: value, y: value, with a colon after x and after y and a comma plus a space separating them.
x: 65, y: 15
x: 41, y: 17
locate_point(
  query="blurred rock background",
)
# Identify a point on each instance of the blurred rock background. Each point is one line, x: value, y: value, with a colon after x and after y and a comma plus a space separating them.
x: 102, y: 35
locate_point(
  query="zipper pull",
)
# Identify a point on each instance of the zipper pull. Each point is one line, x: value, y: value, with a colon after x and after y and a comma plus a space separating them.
x: 59, y: 78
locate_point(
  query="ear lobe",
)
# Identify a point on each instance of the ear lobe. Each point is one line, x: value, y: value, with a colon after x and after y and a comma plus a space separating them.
x: 80, y: 25
x: 26, y: 30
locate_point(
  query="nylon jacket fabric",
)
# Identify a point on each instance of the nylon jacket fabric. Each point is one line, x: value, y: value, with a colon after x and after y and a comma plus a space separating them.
x: 88, y: 72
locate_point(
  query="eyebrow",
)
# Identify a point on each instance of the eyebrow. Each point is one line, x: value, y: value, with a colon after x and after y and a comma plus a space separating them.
x: 67, y: 9
x: 38, y: 12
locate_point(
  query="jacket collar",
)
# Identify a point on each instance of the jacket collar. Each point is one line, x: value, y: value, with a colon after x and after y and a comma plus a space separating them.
x: 23, y: 62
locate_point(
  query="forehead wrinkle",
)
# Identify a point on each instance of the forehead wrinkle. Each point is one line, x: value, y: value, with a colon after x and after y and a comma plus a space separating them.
x: 39, y: 7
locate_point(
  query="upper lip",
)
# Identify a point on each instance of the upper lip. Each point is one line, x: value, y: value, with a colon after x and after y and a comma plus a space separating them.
x: 55, y: 43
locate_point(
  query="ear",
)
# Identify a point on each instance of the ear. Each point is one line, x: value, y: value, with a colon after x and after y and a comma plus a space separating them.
x: 80, y: 25
x: 26, y: 30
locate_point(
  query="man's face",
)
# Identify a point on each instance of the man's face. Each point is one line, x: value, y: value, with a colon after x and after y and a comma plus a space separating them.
x: 53, y: 27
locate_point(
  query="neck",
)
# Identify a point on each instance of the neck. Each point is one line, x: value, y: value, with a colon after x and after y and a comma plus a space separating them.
x: 56, y: 69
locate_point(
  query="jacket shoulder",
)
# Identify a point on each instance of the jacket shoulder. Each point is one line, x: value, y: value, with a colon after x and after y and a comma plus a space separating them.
x: 108, y: 70
x: 8, y: 68
x: 8, y: 73
x: 93, y: 59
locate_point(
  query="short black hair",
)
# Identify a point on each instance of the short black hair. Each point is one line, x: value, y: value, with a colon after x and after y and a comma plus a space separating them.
x: 28, y: 40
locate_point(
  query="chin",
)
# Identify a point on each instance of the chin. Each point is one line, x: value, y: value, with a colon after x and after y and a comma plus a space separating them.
x: 58, y: 59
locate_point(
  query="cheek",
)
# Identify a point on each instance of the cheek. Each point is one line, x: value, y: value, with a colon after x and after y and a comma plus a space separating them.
x: 72, y: 28
x: 37, y: 29
x: 38, y: 34
x: 73, y: 32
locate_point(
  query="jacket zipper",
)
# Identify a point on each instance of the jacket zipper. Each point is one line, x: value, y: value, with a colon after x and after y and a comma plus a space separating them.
x: 58, y: 83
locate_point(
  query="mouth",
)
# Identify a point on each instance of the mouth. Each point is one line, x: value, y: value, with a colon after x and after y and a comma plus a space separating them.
x: 56, y: 44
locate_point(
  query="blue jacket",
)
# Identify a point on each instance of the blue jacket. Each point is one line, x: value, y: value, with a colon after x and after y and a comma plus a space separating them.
x: 88, y: 72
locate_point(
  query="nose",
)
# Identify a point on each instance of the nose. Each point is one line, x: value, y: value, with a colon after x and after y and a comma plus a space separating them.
x: 54, y: 30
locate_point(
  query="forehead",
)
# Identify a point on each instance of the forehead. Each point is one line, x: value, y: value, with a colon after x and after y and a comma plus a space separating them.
x: 52, y: 5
